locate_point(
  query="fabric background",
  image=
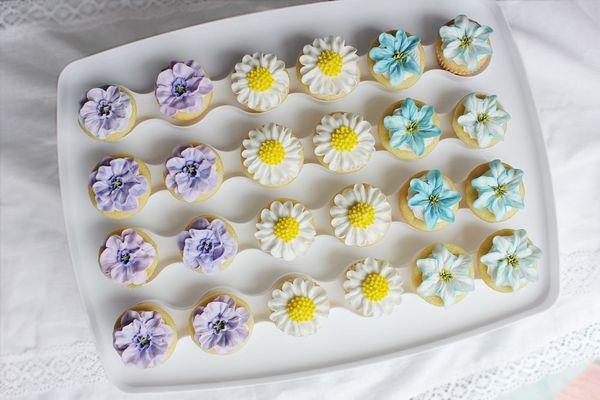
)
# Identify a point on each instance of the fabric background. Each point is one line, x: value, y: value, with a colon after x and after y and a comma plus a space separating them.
x: 55, y: 358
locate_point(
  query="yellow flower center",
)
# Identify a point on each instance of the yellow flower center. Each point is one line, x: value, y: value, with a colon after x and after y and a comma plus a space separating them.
x: 330, y: 63
x: 271, y: 152
x: 286, y: 229
x: 260, y: 79
x: 301, y: 309
x: 344, y: 138
x: 375, y: 287
x: 361, y: 215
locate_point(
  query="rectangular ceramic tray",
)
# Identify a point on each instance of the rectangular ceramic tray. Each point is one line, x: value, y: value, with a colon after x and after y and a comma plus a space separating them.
x: 345, y: 339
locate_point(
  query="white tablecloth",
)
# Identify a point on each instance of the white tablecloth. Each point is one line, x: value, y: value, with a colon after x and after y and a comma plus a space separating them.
x: 45, y: 342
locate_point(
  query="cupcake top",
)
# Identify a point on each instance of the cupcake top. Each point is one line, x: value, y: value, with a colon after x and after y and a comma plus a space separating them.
x: 411, y: 127
x: 396, y: 57
x: 206, y: 245
x: 344, y: 142
x: 465, y: 42
x: 299, y: 307
x: 126, y: 258
x: 272, y: 155
x: 328, y: 67
x: 373, y: 287
x: 143, y: 338
x: 191, y: 171
x: 220, y: 325
x: 482, y: 119
x: 106, y: 112
x: 360, y: 215
x: 512, y: 260
x: 182, y: 87
x: 499, y: 190
x: 445, y: 275
x: 260, y: 81
x: 431, y: 199
x: 117, y: 184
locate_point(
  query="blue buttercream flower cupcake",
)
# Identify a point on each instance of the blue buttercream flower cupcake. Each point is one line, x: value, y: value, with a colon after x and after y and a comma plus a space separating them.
x: 463, y: 46
x: 508, y: 260
x: 409, y: 129
x: 396, y: 59
x: 480, y: 121
x: 495, y: 191
x: 428, y: 201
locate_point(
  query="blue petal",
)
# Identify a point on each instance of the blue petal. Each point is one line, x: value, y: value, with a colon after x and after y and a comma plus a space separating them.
x: 398, y: 139
x: 418, y: 145
x: 409, y: 109
x: 410, y: 65
x: 387, y: 41
x: 420, y: 186
x: 428, y: 132
x: 445, y: 213
x: 378, y: 53
x: 383, y: 66
x: 419, y: 199
x: 394, y: 122
x: 410, y: 43
x: 448, y: 198
x: 431, y: 216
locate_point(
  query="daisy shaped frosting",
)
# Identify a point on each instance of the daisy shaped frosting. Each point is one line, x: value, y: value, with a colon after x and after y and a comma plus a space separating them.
x: 499, y: 190
x: 512, y: 260
x: 445, y: 275
x: 360, y: 215
x: 299, y: 307
x: 329, y: 68
x: 373, y: 287
x: 396, y: 57
x: 431, y: 199
x: 285, y: 229
x: 465, y: 42
x: 272, y: 155
x: 344, y: 142
x: 260, y: 81
x: 106, y: 112
x: 483, y: 120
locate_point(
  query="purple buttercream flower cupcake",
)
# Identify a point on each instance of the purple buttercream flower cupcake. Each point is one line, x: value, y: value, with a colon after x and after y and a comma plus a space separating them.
x: 145, y: 336
x: 183, y: 90
x: 221, y: 324
x: 128, y: 257
x: 119, y: 186
x: 108, y: 114
x: 194, y: 172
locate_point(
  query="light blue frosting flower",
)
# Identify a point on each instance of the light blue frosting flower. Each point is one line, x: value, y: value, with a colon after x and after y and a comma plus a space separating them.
x: 410, y: 126
x: 465, y: 41
x: 499, y: 190
x: 396, y: 57
x: 445, y: 275
x: 512, y: 260
x: 431, y: 200
x: 483, y: 120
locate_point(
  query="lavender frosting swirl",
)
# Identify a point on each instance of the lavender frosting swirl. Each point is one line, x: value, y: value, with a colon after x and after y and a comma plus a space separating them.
x: 206, y: 245
x: 105, y: 111
x: 191, y: 171
x: 126, y: 258
x: 182, y: 87
x: 117, y: 184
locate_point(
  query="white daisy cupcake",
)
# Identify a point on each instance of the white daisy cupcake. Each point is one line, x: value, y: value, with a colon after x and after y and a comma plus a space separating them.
x: 272, y: 155
x: 373, y: 287
x: 299, y: 307
x: 328, y: 69
x: 360, y: 215
x: 285, y: 229
x: 343, y: 142
x: 260, y: 81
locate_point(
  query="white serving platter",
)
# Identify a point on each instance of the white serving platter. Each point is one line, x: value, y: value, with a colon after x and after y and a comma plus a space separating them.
x: 345, y: 339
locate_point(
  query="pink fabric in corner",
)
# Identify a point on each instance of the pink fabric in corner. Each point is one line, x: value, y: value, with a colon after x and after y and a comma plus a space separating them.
x: 585, y: 387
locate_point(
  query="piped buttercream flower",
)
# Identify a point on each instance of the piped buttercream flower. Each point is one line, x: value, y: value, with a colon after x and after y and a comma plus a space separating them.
x: 396, y: 57
x: 482, y: 119
x: 465, y: 42
x: 182, y: 87
x: 106, y: 112
x: 117, y: 184
x: 127, y: 258
x: 431, y: 199
x: 499, y: 190
x: 191, y: 171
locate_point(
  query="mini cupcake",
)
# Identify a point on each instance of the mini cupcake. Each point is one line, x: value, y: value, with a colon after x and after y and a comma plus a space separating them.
x: 360, y: 215
x: 183, y: 91
x: 208, y: 244
x: 285, y: 229
x: 260, y: 81
x: 119, y: 186
x: 109, y: 114
x: 373, y: 287
x: 343, y: 142
x: 508, y: 260
x: 328, y: 69
x: 494, y: 191
x: 428, y: 201
x: 145, y: 336
x: 272, y: 155
x: 480, y: 121
x: 397, y: 59
x: 128, y: 257
x: 409, y: 129
x: 299, y: 306
x: 443, y: 274
x: 221, y: 324
x: 463, y: 46
x: 194, y: 172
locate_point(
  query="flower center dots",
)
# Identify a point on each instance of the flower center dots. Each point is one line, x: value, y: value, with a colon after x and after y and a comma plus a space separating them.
x: 260, y: 79
x: 286, y: 229
x: 411, y: 127
x: 466, y: 41
x: 375, y: 287
x: 483, y: 117
x: 361, y: 215
x: 433, y: 199
x: 190, y: 169
x: 330, y: 63
x: 124, y: 257
x: 104, y: 108
x: 400, y: 56
x: 271, y: 152
x: 513, y: 260
x: 500, y: 191
x: 116, y: 183
x: 218, y: 326
x: 344, y: 138
x: 205, y: 246
x: 142, y: 341
x: 301, y: 309
x: 445, y: 275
